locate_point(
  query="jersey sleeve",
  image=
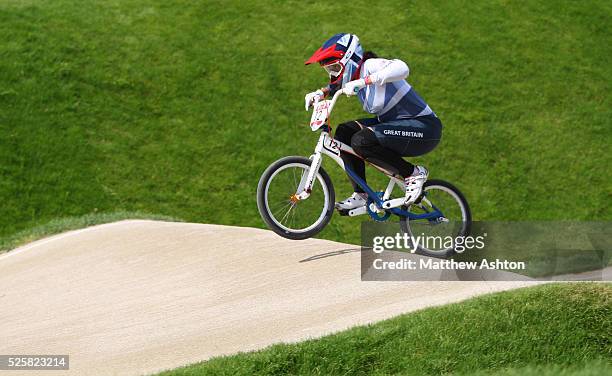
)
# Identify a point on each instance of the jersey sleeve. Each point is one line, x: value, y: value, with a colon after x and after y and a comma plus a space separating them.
x: 382, y: 71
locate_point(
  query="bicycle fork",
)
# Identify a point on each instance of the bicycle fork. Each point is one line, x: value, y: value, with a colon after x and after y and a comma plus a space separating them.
x: 307, y: 179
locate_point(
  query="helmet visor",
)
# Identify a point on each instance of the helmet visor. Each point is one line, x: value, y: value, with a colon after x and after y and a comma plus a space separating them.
x: 333, y: 69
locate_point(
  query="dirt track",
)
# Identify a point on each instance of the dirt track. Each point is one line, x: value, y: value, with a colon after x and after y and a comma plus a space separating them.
x: 135, y: 297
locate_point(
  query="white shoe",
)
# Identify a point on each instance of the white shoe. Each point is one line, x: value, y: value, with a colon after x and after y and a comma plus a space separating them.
x: 355, y: 201
x: 414, y: 183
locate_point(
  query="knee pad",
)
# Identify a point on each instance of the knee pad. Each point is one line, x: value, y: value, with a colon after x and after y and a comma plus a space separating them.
x: 345, y: 131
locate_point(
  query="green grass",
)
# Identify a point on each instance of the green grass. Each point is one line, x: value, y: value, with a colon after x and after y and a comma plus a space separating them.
x: 555, y: 329
x: 72, y: 223
x: 176, y: 107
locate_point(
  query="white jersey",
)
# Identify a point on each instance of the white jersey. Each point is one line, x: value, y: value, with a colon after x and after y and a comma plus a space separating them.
x: 389, y: 96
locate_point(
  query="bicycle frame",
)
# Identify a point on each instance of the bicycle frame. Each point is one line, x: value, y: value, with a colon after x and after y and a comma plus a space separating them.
x: 333, y: 149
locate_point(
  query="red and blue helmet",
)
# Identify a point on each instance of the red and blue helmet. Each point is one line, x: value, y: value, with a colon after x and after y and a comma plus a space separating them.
x: 341, y: 56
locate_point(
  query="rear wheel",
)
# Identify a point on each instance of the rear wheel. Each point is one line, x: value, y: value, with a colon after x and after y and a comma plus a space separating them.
x: 282, y: 211
x: 456, y: 220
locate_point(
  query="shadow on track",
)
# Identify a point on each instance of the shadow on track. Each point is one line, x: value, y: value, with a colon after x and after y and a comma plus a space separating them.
x: 330, y: 254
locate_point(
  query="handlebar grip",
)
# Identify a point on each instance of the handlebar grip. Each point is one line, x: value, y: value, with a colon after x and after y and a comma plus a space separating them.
x: 346, y: 91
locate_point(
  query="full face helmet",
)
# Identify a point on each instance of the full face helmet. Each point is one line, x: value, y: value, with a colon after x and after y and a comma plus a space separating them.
x: 340, y: 56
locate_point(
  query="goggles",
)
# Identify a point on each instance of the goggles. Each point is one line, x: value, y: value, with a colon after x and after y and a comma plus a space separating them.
x: 333, y: 69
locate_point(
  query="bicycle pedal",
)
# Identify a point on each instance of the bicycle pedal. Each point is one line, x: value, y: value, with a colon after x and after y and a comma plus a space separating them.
x: 343, y: 212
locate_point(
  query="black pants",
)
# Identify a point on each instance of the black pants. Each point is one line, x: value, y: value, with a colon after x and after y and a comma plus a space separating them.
x: 384, y: 144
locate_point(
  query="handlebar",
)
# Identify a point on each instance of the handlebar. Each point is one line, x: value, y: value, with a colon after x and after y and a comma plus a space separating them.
x: 337, y: 94
x: 335, y: 98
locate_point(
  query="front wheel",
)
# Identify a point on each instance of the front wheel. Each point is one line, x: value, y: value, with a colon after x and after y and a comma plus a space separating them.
x: 438, y: 235
x: 282, y: 211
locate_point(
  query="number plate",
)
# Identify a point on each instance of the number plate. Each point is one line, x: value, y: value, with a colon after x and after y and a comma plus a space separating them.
x: 319, y: 115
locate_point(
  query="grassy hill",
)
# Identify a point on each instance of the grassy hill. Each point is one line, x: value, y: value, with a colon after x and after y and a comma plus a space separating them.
x: 176, y: 107
x: 561, y: 329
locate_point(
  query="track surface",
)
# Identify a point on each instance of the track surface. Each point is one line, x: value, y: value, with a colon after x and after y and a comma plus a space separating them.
x: 135, y: 297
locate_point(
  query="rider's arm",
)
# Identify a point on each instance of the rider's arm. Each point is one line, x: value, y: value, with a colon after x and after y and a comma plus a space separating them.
x: 380, y: 72
x: 383, y: 71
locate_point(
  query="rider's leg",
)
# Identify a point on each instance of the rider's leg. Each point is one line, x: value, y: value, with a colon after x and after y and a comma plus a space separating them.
x: 344, y: 133
x: 368, y: 146
x: 410, y: 137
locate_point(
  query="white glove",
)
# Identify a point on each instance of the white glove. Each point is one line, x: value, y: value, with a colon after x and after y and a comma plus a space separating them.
x: 310, y: 97
x: 352, y: 87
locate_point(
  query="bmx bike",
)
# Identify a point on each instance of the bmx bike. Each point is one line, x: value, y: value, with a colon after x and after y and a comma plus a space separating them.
x: 295, y: 195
